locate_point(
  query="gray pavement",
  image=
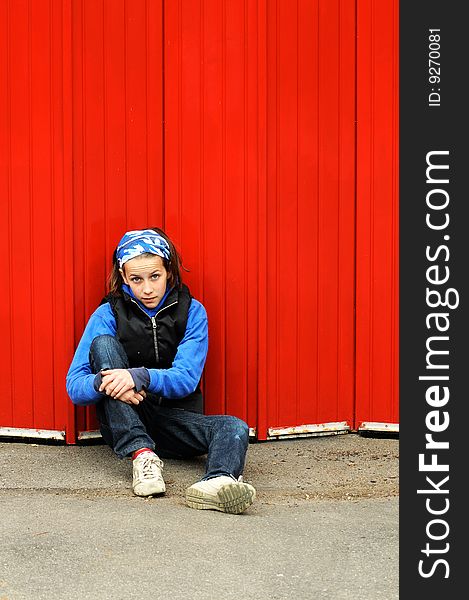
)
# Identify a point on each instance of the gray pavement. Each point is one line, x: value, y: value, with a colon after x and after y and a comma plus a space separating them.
x: 324, y: 526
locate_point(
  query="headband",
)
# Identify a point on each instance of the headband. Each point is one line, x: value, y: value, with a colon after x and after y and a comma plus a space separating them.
x: 141, y: 241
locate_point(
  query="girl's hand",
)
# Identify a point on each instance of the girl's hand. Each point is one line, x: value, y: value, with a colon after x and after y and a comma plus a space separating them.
x: 116, y: 382
x: 132, y: 397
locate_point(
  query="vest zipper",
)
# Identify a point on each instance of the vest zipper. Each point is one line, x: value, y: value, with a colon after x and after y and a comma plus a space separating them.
x: 154, y: 325
x: 155, y: 339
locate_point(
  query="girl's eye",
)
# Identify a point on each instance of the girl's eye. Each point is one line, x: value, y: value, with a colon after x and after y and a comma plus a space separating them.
x: 135, y: 279
x: 155, y: 276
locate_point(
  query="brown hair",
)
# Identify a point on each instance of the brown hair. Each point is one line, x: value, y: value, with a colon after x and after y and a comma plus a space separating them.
x: 173, y: 266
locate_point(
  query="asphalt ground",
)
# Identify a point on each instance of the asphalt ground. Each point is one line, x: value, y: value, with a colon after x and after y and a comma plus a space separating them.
x: 324, y: 525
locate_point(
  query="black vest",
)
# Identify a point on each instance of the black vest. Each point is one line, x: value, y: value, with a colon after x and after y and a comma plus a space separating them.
x: 153, y: 342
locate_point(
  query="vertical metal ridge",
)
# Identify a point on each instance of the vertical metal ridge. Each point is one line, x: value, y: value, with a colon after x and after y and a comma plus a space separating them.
x: 30, y: 202
x: 147, y: 153
x: 79, y: 183
x: 201, y: 261
x: 163, y: 114
x: 245, y: 201
x: 126, y: 119
x: 262, y: 108
x: 366, y: 269
x: 372, y: 205
x: 355, y: 225
x: 277, y: 203
x: 369, y: 241
x: 67, y: 201
x: 224, y: 199
x: 10, y: 225
x: 202, y: 269
x: 318, y: 189
x: 395, y: 223
x: 52, y: 93
x: 105, y: 145
x: 339, y: 200
x: 179, y: 113
x: 85, y: 178
x: 297, y: 324
x: 347, y: 61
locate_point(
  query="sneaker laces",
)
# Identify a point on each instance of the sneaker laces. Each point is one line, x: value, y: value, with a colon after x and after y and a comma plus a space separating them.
x: 150, y: 467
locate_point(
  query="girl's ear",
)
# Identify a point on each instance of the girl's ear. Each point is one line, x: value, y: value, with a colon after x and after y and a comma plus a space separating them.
x: 121, y: 271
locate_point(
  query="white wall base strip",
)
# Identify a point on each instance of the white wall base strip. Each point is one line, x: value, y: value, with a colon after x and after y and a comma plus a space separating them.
x: 95, y: 434
x: 44, y: 434
x: 376, y: 426
x: 308, y: 430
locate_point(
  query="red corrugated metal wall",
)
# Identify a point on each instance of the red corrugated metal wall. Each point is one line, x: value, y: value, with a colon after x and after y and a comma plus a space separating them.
x: 212, y: 162
x: 259, y: 181
x: 36, y: 216
x: 117, y: 84
x: 285, y: 211
x: 310, y: 212
x: 377, y: 329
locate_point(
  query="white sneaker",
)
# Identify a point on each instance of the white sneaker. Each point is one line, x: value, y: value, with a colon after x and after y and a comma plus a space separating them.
x: 147, y: 477
x: 221, y: 493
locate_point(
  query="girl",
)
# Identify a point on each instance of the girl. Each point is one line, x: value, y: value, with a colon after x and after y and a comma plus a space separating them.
x: 140, y: 360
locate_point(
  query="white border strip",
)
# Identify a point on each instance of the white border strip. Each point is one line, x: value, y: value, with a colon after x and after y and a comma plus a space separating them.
x: 308, y: 430
x: 377, y: 426
x: 94, y: 434
x: 45, y: 434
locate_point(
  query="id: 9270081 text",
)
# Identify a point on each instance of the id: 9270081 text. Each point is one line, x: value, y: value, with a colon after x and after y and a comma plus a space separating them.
x: 434, y: 67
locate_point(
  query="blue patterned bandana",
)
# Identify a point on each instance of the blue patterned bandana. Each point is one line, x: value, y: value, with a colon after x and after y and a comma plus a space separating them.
x: 141, y: 241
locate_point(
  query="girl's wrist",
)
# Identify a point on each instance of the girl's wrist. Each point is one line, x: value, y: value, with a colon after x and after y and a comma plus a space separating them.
x: 141, y: 378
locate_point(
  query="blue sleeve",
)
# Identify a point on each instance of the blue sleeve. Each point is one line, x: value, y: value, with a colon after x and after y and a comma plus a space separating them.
x: 80, y: 378
x: 182, y: 378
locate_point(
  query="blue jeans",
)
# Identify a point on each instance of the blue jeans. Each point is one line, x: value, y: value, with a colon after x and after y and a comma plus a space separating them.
x: 171, y: 432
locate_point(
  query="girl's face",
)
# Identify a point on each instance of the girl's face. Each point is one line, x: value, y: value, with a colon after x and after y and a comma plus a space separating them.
x: 147, y: 277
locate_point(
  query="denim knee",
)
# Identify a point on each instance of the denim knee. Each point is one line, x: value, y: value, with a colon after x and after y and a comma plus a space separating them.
x: 237, y: 427
x: 103, y: 343
x: 106, y: 352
